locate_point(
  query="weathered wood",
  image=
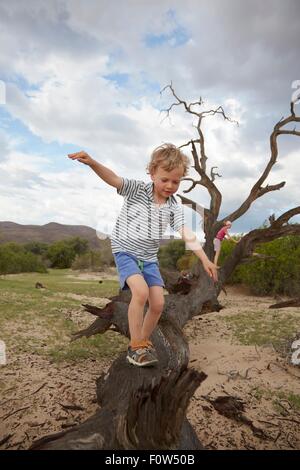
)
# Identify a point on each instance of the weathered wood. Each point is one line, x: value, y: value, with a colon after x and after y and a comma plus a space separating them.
x: 287, y: 303
x: 142, y: 408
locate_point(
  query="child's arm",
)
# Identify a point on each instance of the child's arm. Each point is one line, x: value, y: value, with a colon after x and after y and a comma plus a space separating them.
x: 193, y: 244
x: 231, y: 239
x: 105, y: 174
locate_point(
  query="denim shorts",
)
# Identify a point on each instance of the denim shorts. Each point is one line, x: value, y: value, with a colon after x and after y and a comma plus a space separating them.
x: 127, y: 265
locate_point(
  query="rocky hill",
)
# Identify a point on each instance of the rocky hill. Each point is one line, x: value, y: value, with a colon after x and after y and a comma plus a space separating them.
x: 48, y: 233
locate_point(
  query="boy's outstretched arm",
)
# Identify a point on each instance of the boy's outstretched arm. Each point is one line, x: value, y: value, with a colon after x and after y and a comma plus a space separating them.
x: 105, y: 173
x: 193, y: 244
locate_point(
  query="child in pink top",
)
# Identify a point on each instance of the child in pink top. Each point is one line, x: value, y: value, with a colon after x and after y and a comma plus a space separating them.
x: 223, y: 233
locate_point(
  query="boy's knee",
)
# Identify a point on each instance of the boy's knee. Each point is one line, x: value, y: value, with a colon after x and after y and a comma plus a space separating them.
x: 141, y: 295
x: 158, y: 306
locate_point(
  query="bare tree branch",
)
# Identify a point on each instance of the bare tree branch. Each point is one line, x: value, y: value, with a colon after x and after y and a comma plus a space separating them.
x: 213, y: 173
x: 194, y: 183
x: 180, y: 102
x: 205, y: 181
x: 284, y: 218
x: 200, y: 162
x: 194, y: 205
x: 291, y: 132
x: 258, y: 190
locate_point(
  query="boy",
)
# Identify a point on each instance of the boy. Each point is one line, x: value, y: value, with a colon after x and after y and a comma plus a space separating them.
x: 147, y: 211
x: 222, y: 233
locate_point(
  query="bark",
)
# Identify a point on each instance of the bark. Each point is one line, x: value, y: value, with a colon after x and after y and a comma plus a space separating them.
x: 287, y: 303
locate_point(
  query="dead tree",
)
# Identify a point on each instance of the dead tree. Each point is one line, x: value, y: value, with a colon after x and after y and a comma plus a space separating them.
x: 243, y: 252
x: 146, y: 408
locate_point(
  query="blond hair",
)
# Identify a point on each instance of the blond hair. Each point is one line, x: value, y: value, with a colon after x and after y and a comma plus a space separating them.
x: 168, y: 156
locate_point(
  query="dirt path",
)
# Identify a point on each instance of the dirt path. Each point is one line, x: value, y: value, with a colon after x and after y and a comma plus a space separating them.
x: 259, y: 376
x: 37, y: 395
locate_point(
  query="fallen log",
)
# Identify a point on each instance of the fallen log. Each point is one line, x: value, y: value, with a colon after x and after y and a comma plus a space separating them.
x: 287, y: 303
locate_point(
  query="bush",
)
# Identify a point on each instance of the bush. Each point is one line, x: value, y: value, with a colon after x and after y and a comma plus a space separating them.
x: 15, y: 259
x: 61, y: 254
x: 91, y: 260
x: 107, y: 258
x: 169, y: 254
x: 78, y: 244
x: 280, y: 275
x: 37, y: 248
x: 186, y: 262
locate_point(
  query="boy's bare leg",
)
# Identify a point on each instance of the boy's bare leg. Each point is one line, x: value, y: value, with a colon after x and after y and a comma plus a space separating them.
x: 140, y: 293
x: 156, y: 305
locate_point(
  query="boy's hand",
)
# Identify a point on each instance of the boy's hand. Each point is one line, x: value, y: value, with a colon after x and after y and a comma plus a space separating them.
x: 211, y: 269
x: 82, y: 157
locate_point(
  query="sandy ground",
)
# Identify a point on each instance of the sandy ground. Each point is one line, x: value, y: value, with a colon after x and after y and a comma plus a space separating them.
x: 109, y: 273
x: 41, y: 397
x: 241, y: 371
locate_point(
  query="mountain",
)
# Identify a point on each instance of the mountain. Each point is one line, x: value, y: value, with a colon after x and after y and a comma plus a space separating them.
x: 48, y: 233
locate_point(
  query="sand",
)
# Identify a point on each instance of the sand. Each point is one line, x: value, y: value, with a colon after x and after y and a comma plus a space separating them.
x: 37, y: 394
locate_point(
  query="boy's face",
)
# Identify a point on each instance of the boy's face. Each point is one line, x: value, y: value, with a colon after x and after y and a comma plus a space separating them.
x: 165, y: 182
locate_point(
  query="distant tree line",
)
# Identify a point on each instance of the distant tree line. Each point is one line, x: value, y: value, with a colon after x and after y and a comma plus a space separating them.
x: 277, y: 273
x: 72, y: 253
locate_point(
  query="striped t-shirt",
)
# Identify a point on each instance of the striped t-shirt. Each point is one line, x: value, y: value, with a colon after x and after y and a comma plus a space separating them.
x: 141, y: 223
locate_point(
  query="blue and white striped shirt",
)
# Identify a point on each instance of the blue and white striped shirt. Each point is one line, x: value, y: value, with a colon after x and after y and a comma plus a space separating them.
x: 142, y: 223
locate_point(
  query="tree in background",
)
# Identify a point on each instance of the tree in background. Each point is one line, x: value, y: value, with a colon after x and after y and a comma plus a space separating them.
x: 280, y: 227
x: 78, y: 244
x: 95, y: 260
x: 63, y: 253
x: 37, y: 248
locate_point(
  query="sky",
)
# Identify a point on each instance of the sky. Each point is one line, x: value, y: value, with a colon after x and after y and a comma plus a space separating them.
x: 88, y: 74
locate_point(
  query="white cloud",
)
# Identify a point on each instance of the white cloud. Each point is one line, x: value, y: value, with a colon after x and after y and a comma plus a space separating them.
x: 56, y: 58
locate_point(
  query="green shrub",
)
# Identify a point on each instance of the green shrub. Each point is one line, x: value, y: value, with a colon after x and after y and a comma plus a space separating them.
x: 91, y: 260
x: 15, y: 259
x: 78, y: 244
x: 279, y: 274
x: 61, y: 254
x: 37, y: 248
x: 186, y: 262
x: 169, y: 254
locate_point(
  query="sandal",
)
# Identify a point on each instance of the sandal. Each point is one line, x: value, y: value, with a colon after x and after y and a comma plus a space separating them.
x: 141, y: 357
